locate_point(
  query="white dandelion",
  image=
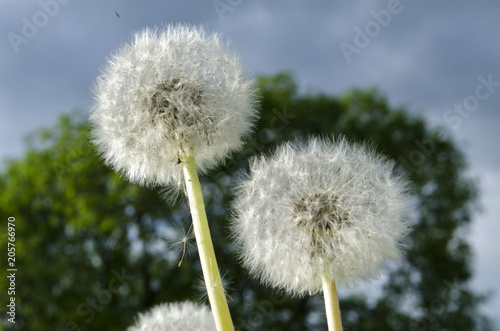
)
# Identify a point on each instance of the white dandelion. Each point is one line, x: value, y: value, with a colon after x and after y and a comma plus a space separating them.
x: 173, y: 102
x: 182, y: 316
x: 320, y: 213
x: 171, y: 90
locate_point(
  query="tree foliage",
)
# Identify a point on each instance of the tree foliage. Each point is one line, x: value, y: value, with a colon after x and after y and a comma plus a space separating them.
x: 93, y: 249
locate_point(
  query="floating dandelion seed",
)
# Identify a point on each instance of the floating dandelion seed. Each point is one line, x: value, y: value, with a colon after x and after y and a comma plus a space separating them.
x: 318, y: 213
x: 182, y: 242
x: 224, y: 284
x: 175, y: 317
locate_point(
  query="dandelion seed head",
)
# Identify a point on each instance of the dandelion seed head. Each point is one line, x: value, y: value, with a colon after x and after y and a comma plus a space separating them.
x: 320, y: 207
x: 175, y: 317
x: 171, y: 89
x: 320, y: 210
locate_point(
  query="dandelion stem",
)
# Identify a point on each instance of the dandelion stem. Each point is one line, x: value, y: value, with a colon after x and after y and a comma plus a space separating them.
x: 331, y: 304
x: 209, y: 266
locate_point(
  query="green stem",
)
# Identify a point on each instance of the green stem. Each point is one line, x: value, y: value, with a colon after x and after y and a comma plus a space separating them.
x: 209, y: 266
x: 331, y: 304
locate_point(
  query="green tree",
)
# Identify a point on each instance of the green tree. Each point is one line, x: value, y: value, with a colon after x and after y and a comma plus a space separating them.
x: 93, y: 250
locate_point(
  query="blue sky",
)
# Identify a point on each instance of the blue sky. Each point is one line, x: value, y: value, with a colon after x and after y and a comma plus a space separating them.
x: 439, y: 59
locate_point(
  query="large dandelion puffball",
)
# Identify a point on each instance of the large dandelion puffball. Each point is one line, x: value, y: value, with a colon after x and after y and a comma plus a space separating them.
x: 184, y: 316
x: 319, y: 208
x: 170, y: 90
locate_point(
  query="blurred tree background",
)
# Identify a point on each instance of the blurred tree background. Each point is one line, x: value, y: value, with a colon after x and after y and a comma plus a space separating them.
x: 94, y: 250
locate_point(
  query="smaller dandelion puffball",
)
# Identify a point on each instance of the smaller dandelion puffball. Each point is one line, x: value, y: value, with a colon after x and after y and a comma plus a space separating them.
x: 184, y: 316
x: 319, y: 208
x: 171, y: 89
